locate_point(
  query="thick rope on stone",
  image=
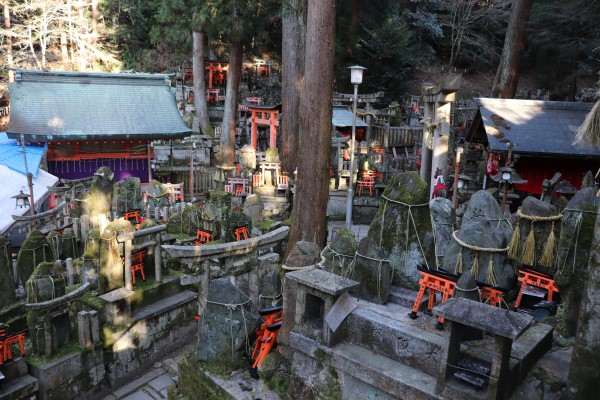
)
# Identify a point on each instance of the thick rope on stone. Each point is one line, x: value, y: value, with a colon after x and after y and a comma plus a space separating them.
x: 513, y: 247
x: 346, y: 272
x: 410, y: 218
x: 475, y: 266
x: 491, y: 277
x: 285, y: 267
x: 528, y: 254
x: 491, y: 274
x: 458, y: 266
x: 232, y: 307
x: 274, y: 299
x: 548, y: 259
x: 379, y: 267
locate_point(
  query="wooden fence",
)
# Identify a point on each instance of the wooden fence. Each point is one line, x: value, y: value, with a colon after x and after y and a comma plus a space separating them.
x: 392, y: 136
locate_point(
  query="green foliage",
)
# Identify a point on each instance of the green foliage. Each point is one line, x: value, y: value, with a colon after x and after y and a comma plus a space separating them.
x: 131, y: 24
x: 564, y: 35
x: 394, y: 38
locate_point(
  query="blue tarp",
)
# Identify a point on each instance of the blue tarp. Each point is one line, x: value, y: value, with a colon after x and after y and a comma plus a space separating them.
x: 11, y: 155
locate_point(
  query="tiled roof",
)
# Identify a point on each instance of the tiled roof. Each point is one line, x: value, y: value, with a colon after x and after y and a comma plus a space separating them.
x: 54, y: 105
x: 343, y: 117
x: 535, y: 127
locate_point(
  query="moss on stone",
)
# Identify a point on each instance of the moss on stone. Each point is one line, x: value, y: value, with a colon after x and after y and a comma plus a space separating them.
x: 71, y: 347
x: 548, y: 378
x: 93, y: 302
x: 34, y: 250
x: 222, y: 365
x: 194, y: 384
x: 275, y: 371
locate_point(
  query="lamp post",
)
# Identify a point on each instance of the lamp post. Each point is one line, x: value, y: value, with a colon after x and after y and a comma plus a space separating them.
x: 21, y: 200
x: 455, y: 187
x: 356, y: 74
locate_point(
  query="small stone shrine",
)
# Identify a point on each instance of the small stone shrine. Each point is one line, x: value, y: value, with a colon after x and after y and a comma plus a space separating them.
x: 484, y: 382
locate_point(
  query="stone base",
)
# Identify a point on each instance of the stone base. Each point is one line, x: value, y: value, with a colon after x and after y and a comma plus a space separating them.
x: 78, y: 375
x: 154, y: 331
x: 384, y: 352
x: 15, y: 383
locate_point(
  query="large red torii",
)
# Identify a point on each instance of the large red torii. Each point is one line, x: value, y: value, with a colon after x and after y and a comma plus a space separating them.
x: 265, y: 115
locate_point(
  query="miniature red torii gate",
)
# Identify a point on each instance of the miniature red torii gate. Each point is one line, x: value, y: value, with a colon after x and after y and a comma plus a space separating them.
x: 265, y: 115
x: 215, y: 67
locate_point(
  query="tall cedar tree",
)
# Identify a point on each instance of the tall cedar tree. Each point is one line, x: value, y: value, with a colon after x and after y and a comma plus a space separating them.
x: 177, y: 27
x: 235, y: 21
x: 198, y: 75
x: 293, y: 49
x: 309, y: 219
x: 509, y: 69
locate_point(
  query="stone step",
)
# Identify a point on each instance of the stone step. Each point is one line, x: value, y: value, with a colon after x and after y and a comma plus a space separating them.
x: 406, y: 297
x: 23, y: 387
x: 164, y: 305
x: 364, y: 372
x: 169, y: 286
x: 388, y: 330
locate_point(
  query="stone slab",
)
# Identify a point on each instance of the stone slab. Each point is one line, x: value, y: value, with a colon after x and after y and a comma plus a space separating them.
x: 20, y: 388
x: 406, y: 297
x: 389, y: 331
x: 190, y: 279
x: 322, y: 280
x: 389, y: 376
x: 164, y: 305
x: 344, y: 305
x: 495, y: 320
x: 139, y: 396
x: 116, y: 295
x: 161, y: 382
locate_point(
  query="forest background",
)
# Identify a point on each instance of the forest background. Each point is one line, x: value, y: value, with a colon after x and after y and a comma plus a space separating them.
x: 405, y: 44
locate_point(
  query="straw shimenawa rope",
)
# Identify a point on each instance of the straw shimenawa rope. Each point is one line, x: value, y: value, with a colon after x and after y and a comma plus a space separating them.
x: 491, y: 277
x: 528, y: 251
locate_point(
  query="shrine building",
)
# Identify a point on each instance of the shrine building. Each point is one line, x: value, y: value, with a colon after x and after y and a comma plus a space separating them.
x: 91, y: 119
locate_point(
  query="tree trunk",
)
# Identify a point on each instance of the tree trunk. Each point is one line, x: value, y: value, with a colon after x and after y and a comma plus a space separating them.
x: 64, y: 51
x: 82, y: 41
x: 71, y: 34
x: 199, y: 85
x: 234, y: 75
x: 584, y: 371
x: 94, y: 38
x: 309, y: 217
x: 353, y: 27
x: 9, y: 48
x: 507, y: 76
x: 294, y: 46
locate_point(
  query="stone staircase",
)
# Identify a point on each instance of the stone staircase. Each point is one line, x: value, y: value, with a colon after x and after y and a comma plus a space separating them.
x: 381, y: 353
x: 15, y: 382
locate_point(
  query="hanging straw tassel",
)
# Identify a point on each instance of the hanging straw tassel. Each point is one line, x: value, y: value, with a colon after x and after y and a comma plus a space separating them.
x: 475, y: 267
x: 490, y: 277
x: 528, y: 256
x: 548, y: 256
x: 458, y: 266
x: 513, y: 247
